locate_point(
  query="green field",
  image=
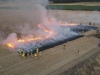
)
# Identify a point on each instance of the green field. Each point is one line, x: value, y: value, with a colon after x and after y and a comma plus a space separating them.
x: 73, y: 7
x: 66, y: 6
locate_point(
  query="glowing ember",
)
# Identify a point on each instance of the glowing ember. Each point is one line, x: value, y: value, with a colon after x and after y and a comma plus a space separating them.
x: 10, y: 45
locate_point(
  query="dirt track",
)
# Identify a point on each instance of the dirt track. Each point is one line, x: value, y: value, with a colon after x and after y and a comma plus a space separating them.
x: 12, y: 64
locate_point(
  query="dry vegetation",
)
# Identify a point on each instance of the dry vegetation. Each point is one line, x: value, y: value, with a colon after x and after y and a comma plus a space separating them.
x: 90, y: 68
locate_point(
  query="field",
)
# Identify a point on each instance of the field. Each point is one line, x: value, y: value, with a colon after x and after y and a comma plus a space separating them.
x: 76, y: 6
x: 79, y: 3
x: 52, y: 59
x: 56, y: 60
x: 90, y: 68
x: 87, y: 6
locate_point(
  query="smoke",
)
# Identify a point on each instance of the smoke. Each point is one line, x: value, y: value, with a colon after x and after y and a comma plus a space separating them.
x: 25, y: 15
x: 83, y: 17
x: 11, y: 38
x: 34, y: 21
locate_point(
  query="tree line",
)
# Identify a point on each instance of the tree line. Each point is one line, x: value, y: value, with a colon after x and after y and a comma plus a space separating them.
x: 69, y: 1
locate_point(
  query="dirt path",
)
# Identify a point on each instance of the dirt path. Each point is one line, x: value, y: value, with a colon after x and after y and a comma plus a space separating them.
x: 70, y: 67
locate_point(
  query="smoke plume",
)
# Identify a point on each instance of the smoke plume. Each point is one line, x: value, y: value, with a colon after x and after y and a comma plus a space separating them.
x: 34, y: 21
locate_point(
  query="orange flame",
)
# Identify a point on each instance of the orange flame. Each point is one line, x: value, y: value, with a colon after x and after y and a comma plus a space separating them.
x: 37, y: 38
x: 48, y: 31
x: 10, y: 45
x: 21, y: 40
x: 45, y: 29
x: 69, y: 24
x: 73, y: 24
x: 30, y: 39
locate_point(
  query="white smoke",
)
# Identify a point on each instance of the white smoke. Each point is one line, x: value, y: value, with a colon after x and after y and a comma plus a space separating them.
x: 36, y: 14
x: 83, y: 17
x: 11, y: 38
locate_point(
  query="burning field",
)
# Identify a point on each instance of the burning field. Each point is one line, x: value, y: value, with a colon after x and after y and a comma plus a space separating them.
x: 41, y: 30
x: 32, y: 25
x: 52, y: 36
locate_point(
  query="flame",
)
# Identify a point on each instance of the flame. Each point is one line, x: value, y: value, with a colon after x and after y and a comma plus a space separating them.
x: 21, y: 40
x: 73, y: 24
x: 46, y: 30
x: 10, y: 45
x: 69, y: 24
x: 30, y: 39
x: 33, y: 39
x: 51, y: 32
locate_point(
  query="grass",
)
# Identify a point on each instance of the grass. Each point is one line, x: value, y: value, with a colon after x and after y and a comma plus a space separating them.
x: 73, y: 7
x: 90, y: 68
